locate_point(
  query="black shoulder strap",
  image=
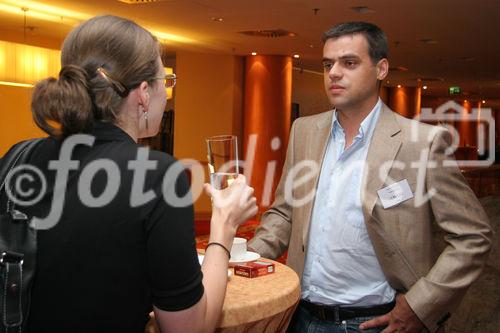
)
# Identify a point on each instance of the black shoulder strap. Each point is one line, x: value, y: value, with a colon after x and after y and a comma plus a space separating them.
x: 16, y: 155
x: 18, y: 250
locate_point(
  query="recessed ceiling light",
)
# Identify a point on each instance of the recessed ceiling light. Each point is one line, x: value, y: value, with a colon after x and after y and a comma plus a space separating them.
x: 465, y: 101
x: 311, y: 46
x: 428, y: 41
x: 254, y: 53
x: 424, y: 87
x: 296, y: 56
x: 362, y: 9
x: 483, y: 101
x: 399, y: 86
x: 217, y: 19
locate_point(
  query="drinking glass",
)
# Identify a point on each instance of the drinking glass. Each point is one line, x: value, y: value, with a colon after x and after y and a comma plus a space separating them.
x: 222, y: 160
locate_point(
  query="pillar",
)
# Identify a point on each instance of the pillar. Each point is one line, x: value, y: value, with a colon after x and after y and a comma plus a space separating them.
x: 405, y: 100
x: 266, y: 122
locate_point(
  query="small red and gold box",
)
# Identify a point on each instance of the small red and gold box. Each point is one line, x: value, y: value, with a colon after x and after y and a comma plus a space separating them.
x: 254, y: 269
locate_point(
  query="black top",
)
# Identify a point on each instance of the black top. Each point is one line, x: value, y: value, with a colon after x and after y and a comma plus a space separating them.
x: 100, y: 269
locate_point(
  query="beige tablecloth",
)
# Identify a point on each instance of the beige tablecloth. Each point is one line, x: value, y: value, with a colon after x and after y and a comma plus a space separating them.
x: 259, y: 305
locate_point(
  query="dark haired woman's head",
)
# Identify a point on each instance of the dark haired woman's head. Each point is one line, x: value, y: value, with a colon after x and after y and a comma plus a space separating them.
x: 104, y: 61
x: 376, y: 38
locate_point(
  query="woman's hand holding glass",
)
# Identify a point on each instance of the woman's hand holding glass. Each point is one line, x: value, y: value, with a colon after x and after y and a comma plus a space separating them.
x: 230, y: 208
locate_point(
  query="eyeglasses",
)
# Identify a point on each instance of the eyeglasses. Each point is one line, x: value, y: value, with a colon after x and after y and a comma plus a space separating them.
x: 169, y: 80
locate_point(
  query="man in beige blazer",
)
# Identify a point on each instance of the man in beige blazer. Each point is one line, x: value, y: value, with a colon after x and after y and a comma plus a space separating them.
x: 428, y: 194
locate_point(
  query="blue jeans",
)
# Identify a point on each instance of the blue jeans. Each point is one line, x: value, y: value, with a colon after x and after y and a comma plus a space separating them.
x: 304, y: 322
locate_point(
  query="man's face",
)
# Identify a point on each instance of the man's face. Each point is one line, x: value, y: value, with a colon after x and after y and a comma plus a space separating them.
x: 349, y: 74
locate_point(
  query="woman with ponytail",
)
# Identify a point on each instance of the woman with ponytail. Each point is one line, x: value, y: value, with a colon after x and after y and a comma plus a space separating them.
x: 107, y: 262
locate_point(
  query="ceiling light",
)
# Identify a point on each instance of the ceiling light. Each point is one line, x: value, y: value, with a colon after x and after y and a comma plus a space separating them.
x: 69, y: 17
x: 217, y: 19
x: 254, y: 53
x: 483, y: 101
x: 171, y: 37
x: 40, y: 8
x: 16, y: 84
x: 399, y: 86
x: 465, y: 101
x: 296, y: 56
x: 424, y: 87
x: 43, y: 12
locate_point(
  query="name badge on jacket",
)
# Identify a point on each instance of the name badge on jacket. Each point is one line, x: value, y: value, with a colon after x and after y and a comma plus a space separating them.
x: 395, y: 194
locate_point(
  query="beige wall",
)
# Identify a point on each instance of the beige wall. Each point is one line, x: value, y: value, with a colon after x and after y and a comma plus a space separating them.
x: 208, y: 101
x: 31, y: 38
x: 308, y: 90
x: 16, y: 123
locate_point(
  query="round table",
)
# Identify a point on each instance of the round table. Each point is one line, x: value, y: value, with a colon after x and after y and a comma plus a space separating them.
x: 264, y: 304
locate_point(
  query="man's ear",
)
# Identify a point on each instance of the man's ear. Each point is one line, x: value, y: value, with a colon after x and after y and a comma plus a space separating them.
x: 382, y: 69
x: 143, y: 94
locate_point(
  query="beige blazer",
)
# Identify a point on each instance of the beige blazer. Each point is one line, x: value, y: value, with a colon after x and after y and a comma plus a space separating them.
x: 434, y: 280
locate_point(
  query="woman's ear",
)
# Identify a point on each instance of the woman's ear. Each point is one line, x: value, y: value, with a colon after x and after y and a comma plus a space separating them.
x: 143, y: 95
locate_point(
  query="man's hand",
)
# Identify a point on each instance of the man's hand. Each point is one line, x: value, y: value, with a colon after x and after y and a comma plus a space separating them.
x: 401, y: 319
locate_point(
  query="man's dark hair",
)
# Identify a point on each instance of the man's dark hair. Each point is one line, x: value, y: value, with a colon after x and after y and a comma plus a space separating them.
x: 377, y: 40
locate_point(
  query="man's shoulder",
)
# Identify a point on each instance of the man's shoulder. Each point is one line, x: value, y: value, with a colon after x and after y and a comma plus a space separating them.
x: 409, y: 125
x: 320, y: 118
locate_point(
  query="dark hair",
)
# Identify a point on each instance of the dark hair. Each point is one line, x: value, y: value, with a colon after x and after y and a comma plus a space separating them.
x: 377, y: 40
x: 102, y: 60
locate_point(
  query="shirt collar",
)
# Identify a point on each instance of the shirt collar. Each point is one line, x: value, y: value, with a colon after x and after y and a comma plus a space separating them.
x: 366, y: 127
x: 105, y: 131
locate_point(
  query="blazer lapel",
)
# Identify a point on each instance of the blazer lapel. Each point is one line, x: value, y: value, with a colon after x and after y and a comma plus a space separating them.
x: 384, y: 146
x: 317, y: 147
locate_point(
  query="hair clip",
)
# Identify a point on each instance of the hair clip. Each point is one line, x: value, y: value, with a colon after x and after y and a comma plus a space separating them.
x: 117, y: 86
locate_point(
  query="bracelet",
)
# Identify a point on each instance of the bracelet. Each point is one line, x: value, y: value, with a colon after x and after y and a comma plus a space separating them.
x: 219, y: 244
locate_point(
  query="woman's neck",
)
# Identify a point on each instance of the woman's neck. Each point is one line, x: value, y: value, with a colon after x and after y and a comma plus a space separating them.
x: 128, y: 126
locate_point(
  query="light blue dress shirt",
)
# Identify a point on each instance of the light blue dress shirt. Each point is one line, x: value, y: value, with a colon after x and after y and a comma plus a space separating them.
x: 341, y: 267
